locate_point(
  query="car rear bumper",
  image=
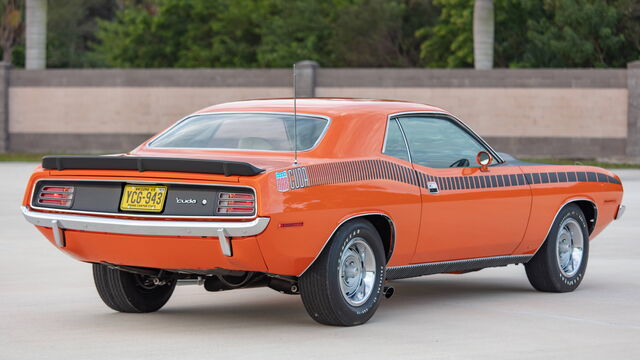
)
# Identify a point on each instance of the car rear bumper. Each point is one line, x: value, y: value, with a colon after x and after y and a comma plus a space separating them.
x: 174, y: 235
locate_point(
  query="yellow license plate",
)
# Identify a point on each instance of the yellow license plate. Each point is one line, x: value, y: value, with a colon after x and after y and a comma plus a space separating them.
x: 143, y: 198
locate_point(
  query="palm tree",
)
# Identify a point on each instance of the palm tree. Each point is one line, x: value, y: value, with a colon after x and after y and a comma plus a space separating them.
x: 483, y: 25
x: 36, y: 47
x: 11, y: 28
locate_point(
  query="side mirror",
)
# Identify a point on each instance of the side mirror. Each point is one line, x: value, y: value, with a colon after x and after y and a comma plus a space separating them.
x: 484, y: 160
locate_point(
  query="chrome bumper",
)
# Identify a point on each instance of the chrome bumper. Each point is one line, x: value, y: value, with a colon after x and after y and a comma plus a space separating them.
x: 224, y: 231
x: 620, y: 212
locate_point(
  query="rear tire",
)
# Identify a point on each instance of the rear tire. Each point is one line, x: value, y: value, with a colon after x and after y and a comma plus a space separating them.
x: 344, y: 285
x: 128, y: 292
x: 561, y: 262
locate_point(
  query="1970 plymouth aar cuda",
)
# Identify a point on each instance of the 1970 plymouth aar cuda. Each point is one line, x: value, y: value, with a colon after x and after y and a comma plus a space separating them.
x: 381, y: 190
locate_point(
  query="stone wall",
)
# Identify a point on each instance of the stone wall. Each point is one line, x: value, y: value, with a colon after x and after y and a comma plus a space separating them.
x: 562, y: 113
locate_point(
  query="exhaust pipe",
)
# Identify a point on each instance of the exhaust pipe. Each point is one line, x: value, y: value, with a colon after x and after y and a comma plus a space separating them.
x: 388, y: 291
x: 184, y: 282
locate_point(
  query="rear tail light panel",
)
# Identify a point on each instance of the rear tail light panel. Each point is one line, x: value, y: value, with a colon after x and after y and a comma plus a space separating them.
x: 184, y: 200
x: 236, y: 204
x: 56, y: 196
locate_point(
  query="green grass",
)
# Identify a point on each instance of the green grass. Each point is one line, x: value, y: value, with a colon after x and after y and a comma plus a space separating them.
x: 27, y: 157
x: 606, y: 165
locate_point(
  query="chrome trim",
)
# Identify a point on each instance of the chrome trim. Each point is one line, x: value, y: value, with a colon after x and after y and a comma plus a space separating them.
x: 620, y: 212
x: 558, y: 213
x: 145, y: 227
x: 457, y: 121
x: 148, y: 216
x: 391, y: 244
x: 414, y: 270
x: 324, y: 131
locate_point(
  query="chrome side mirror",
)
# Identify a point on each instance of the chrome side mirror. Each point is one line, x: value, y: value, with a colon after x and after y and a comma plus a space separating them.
x: 484, y: 160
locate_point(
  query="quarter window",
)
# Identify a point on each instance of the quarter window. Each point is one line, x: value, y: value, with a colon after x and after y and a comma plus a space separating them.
x: 438, y: 142
x: 394, y: 144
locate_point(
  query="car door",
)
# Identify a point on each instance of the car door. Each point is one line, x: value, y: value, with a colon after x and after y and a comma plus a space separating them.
x: 466, y: 212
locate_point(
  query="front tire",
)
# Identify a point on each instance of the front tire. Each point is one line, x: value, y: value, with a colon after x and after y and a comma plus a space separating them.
x: 561, y: 262
x: 128, y: 292
x: 344, y: 285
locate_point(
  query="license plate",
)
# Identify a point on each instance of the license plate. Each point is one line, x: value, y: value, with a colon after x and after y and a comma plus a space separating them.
x: 143, y: 198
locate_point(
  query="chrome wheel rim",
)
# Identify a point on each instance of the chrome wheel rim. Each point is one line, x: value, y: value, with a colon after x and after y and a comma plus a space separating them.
x: 569, y: 247
x: 357, y: 272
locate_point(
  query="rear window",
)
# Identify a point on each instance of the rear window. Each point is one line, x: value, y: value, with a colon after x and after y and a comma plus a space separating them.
x: 243, y: 131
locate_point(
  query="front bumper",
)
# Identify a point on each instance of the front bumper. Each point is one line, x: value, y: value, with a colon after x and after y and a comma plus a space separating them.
x: 224, y: 231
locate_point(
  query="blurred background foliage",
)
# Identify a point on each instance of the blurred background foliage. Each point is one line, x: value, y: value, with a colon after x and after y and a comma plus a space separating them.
x: 336, y: 33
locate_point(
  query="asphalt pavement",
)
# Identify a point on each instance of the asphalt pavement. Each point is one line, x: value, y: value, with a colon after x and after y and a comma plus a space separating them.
x: 49, y: 308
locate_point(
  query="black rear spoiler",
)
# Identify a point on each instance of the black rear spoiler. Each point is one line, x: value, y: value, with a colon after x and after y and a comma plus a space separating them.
x: 227, y: 168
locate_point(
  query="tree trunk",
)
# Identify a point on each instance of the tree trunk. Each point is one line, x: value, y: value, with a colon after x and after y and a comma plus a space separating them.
x: 36, y: 47
x: 483, y: 33
x: 7, y: 54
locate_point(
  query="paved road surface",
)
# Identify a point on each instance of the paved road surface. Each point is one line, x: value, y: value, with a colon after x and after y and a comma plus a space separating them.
x: 50, y: 309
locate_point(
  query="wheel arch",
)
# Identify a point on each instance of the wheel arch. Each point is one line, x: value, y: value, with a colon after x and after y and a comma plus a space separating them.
x: 380, y: 221
x: 589, y: 209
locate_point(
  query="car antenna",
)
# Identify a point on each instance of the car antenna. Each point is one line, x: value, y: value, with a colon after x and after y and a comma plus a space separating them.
x: 295, y: 119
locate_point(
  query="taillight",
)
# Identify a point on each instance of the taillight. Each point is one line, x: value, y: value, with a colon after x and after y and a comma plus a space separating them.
x: 236, y: 204
x: 57, y: 196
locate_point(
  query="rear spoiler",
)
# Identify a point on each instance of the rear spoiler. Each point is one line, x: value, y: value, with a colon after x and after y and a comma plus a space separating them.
x: 227, y: 168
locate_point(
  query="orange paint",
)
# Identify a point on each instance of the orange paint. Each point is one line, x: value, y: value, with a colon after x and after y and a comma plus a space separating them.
x: 349, y: 176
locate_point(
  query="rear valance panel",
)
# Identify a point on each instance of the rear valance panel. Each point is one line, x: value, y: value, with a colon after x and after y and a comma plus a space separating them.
x: 227, y: 168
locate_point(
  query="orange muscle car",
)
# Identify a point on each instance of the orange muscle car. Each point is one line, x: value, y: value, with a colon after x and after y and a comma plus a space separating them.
x: 330, y: 202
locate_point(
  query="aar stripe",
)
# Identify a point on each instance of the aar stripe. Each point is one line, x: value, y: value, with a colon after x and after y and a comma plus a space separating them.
x: 362, y: 170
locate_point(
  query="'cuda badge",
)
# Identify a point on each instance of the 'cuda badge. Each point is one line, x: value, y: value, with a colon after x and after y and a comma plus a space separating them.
x: 186, y: 201
x: 282, y: 181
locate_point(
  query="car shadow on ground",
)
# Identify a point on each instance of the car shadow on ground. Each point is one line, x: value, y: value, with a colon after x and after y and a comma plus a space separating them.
x: 263, y: 308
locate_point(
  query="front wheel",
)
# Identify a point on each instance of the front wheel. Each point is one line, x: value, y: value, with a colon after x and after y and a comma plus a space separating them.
x: 345, y: 284
x: 130, y: 293
x: 561, y: 262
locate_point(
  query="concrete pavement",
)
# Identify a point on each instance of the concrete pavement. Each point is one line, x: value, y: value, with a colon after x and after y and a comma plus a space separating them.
x: 50, y: 309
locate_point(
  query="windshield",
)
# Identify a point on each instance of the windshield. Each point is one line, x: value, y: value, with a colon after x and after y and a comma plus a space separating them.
x: 243, y: 131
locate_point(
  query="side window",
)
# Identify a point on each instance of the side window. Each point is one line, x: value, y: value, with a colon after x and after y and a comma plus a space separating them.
x: 439, y: 142
x: 394, y: 142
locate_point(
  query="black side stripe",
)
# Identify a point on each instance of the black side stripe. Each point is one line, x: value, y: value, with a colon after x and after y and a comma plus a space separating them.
x: 363, y: 170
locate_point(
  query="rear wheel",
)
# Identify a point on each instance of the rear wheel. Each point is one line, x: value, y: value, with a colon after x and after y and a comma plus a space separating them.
x: 345, y: 284
x: 561, y: 262
x: 130, y: 293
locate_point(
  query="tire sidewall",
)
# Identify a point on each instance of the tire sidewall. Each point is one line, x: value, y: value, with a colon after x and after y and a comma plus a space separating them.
x: 562, y: 282
x: 353, y: 315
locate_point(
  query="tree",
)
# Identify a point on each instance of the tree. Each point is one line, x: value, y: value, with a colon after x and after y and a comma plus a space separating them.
x: 71, y: 30
x: 263, y: 33
x: 11, y: 29
x: 578, y: 33
x: 483, y: 34
x: 36, y: 34
x: 539, y: 33
x: 449, y: 43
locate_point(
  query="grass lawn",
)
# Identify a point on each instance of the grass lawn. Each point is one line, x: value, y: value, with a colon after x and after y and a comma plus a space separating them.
x: 26, y: 157
x: 601, y: 164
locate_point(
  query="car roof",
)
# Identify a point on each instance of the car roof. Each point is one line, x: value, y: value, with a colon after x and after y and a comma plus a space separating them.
x: 331, y: 107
